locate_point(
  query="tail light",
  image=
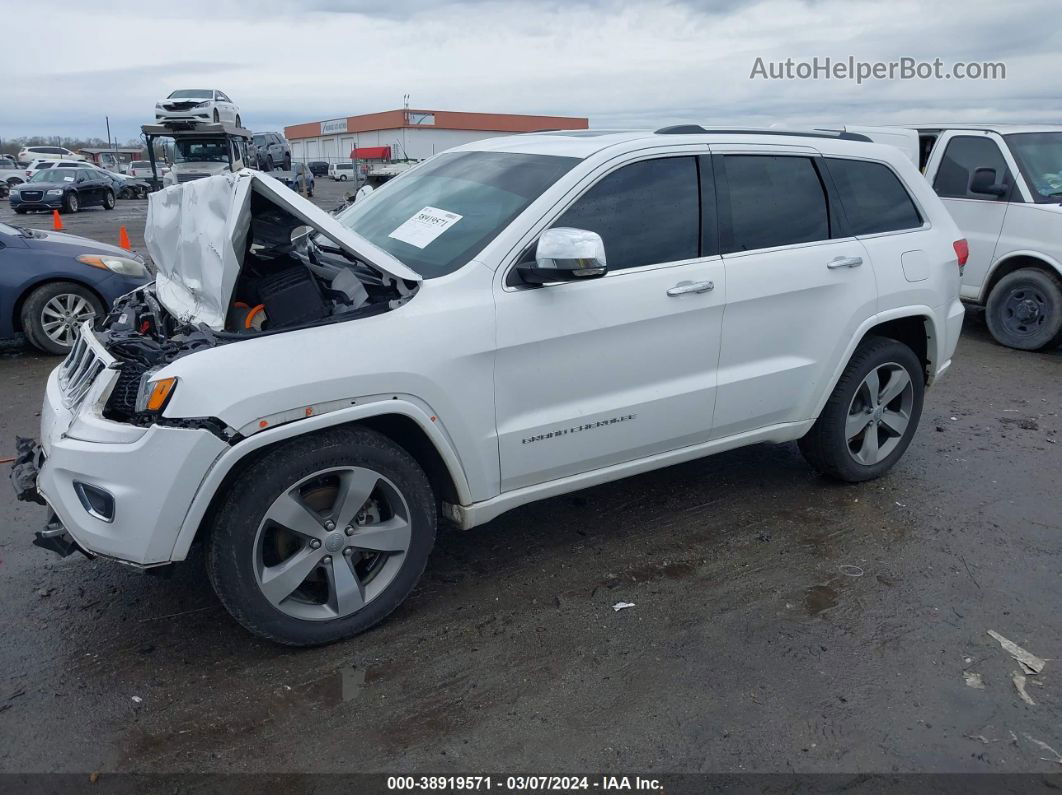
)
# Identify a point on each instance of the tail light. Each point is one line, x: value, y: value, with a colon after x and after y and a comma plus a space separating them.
x: 962, y: 252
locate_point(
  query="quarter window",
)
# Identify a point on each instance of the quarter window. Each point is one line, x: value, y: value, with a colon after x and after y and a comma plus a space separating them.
x: 874, y: 199
x: 964, y: 155
x: 774, y: 200
x: 646, y: 213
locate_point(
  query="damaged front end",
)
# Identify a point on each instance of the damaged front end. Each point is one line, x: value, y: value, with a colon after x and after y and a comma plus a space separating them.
x: 239, y: 256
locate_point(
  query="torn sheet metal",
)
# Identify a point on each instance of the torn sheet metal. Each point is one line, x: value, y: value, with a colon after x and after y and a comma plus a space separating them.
x: 197, y: 233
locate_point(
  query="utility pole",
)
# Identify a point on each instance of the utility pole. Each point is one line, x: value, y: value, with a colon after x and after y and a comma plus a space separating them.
x: 405, y: 122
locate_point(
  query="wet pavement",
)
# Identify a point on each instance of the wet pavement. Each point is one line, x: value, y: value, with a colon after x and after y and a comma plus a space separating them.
x: 781, y: 622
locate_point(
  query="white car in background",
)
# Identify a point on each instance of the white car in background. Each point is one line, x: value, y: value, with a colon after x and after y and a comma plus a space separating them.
x: 29, y: 153
x: 141, y: 169
x: 204, y: 105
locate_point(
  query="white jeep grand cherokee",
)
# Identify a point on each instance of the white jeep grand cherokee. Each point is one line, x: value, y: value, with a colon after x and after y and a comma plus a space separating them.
x: 510, y: 320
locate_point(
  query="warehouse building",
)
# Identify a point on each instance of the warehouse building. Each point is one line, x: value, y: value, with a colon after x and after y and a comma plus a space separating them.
x: 407, y: 134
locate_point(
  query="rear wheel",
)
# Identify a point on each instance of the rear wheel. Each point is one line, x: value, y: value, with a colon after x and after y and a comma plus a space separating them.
x: 870, y: 418
x: 1024, y: 310
x: 108, y: 200
x: 53, y: 313
x: 323, y: 537
x: 70, y: 202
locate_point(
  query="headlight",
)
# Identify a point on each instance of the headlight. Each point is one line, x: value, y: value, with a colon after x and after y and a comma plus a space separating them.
x: 158, y: 104
x: 153, y: 395
x: 55, y: 192
x: 206, y: 104
x: 123, y: 265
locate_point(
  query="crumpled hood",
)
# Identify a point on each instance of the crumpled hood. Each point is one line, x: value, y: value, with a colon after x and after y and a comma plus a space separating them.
x: 197, y: 234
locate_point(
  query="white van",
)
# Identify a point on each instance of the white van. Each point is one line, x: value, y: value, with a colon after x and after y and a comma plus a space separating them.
x: 1002, y: 184
x: 341, y: 172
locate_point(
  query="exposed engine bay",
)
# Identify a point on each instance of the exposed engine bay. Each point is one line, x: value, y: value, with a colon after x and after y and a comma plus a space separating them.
x: 291, y: 275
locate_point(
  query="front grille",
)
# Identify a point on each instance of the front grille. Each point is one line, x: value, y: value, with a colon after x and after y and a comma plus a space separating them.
x: 181, y: 106
x: 121, y: 405
x: 77, y: 372
x: 32, y: 195
x: 190, y: 177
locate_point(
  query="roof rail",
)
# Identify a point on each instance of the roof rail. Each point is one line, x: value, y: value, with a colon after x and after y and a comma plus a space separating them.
x: 696, y: 129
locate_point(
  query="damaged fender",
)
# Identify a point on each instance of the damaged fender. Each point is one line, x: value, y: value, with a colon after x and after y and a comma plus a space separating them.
x: 406, y: 406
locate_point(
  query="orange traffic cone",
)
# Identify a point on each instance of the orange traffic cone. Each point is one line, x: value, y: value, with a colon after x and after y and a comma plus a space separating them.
x: 57, y: 222
x: 123, y: 240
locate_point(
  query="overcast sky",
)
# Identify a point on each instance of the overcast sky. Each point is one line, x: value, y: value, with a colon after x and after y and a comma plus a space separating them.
x: 620, y: 63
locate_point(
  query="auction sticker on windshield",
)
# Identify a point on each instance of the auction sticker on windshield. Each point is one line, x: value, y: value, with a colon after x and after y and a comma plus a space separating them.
x: 425, y: 226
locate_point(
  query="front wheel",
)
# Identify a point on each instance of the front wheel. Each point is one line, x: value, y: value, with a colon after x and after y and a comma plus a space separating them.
x: 1024, y: 311
x: 239, y: 122
x: 70, y: 203
x: 322, y: 537
x: 870, y: 418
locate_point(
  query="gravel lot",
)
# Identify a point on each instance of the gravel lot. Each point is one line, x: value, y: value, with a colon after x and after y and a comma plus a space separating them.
x: 782, y: 622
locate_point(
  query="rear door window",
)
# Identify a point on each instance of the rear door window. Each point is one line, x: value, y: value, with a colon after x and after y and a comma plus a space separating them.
x: 646, y: 213
x: 964, y: 155
x: 873, y: 197
x: 773, y: 200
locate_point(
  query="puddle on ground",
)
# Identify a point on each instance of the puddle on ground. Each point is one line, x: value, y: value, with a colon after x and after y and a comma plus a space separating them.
x: 818, y: 598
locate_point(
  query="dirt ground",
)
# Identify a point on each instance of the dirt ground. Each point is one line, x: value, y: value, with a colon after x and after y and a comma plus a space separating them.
x: 781, y: 622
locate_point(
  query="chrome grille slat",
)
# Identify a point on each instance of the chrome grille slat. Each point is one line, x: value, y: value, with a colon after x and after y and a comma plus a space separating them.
x: 79, y: 371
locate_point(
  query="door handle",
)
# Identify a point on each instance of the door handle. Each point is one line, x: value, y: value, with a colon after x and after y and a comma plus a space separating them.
x: 845, y: 262
x: 690, y: 287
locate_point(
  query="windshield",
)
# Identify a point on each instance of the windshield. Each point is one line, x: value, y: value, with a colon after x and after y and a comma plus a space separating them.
x: 199, y: 151
x: 45, y: 175
x: 1039, y: 157
x: 192, y: 93
x: 439, y: 215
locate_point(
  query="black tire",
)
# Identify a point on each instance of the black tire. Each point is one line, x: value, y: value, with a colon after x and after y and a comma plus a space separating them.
x: 268, y: 162
x: 217, y: 116
x: 108, y: 200
x: 231, y: 555
x: 70, y: 202
x: 239, y: 123
x: 1024, y: 310
x: 287, y: 162
x: 342, y: 177
x: 32, y: 315
x: 827, y: 447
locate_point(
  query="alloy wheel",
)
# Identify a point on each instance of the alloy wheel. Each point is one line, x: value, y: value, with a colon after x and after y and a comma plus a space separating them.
x: 63, y: 315
x: 331, y: 543
x: 879, y: 413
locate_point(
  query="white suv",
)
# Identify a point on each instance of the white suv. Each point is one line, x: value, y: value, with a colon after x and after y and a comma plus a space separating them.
x: 510, y: 320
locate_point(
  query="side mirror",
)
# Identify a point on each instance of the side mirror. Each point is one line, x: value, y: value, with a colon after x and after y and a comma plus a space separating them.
x: 565, y: 255
x: 984, y: 181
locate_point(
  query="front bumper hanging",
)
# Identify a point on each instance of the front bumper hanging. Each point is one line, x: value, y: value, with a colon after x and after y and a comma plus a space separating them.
x: 28, y: 459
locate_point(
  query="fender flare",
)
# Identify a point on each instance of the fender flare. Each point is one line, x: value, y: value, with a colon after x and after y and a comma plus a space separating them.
x: 923, y: 313
x: 406, y: 406
x: 1031, y: 254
